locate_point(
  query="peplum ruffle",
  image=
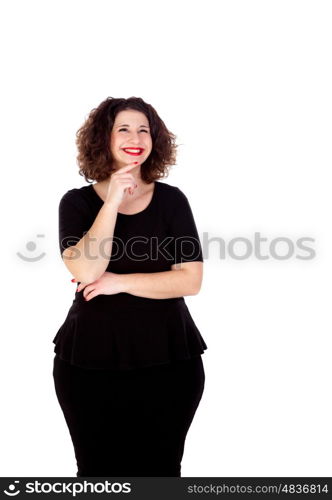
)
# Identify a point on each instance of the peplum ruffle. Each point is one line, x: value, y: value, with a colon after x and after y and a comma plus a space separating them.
x: 105, y: 334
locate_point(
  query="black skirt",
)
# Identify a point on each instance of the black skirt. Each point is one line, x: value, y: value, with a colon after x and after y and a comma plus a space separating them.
x: 129, y: 423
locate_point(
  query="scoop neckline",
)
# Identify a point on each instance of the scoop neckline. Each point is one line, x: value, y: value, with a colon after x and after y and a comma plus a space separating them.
x: 130, y: 215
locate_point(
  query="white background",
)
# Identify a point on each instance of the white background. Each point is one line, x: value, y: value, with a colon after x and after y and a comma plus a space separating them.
x: 246, y: 88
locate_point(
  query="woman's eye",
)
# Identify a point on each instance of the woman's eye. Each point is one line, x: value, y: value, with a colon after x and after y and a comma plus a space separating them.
x: 120, y: 130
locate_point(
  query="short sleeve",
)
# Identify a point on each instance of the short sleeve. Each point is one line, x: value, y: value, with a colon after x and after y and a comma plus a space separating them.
x: 74, y: 220
x: 186, y: 245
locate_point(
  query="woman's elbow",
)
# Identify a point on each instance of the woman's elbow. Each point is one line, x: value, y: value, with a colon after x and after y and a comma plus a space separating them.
x: 196, y: 289
x: 195, y: 285
x: 193, y: 281
x: 69, y: 256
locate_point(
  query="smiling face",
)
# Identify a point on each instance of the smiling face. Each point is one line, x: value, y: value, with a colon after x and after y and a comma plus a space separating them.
x: 131, y: 131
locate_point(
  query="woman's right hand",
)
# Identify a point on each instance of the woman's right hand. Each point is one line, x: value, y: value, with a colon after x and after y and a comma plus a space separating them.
x: 121, y: 180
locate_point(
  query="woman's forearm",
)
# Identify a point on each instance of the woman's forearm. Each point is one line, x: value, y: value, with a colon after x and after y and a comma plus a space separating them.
x: 89, y: 258
x: 160, y: 285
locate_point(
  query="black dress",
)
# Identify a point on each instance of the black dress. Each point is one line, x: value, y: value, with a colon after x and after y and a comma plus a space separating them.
x: 128, y: 372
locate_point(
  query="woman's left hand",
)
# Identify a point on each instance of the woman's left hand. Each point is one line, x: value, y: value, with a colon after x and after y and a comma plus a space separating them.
x: 107, y: 284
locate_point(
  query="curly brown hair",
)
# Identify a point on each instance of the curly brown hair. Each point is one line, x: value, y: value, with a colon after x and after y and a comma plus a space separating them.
x: 93, y: 141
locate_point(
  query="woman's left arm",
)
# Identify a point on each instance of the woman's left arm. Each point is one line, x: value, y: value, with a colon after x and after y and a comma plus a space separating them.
x: 183, y: 279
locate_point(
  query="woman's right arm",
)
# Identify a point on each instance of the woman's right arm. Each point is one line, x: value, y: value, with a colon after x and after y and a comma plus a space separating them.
x: 89, y: 258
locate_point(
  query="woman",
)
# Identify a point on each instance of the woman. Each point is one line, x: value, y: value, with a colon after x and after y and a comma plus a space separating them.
x: 128, y: 371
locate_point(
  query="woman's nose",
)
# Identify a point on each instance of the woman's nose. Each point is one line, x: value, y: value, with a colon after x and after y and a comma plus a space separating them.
x: 134, y: 140
x: 134, y: 137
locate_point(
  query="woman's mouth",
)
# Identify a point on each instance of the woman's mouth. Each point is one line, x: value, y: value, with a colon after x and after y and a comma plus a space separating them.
x: 133, y: 151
